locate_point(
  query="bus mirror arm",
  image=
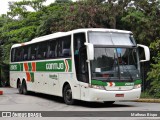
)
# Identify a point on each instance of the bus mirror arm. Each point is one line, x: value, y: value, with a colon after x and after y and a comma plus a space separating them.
x: 146, y: 51
x: 90, y: 51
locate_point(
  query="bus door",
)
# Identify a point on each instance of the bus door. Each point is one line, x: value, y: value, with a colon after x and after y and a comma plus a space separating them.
x: 81, y: 65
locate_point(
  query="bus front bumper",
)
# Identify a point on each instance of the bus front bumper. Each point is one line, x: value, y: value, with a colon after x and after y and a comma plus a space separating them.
x: 103, y: 95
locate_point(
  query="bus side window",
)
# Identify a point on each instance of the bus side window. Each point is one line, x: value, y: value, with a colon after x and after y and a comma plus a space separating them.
x: 33, y: 52
x: 42, y: 50
x: 25, y: 53
x: 66, y: 46
x: 79, y: 40
x: 63, y: 46
x: 59, y: 47
x: 13, y: 55
x: 51, y: 49
x: 18, y: 54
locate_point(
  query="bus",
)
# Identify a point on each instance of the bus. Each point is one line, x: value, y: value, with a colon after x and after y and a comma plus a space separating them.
x: 89, y: 64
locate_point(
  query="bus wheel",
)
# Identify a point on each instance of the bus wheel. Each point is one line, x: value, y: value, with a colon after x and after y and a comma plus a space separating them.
x: 19, y: 86
x: 24, y: 88
x: 109, y: 102
x: 67, y: 95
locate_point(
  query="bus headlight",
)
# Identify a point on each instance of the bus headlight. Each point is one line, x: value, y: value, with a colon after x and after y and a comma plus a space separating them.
x: 97, y: 87
x: 137, y: 86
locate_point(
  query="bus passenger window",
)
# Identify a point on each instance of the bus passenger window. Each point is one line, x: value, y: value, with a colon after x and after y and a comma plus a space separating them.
x: 18, y: 54
x: 25, y: 53
x: 13, y: 55
x: 59, y: 48
x: 66, y: 49
x: 42, y: 50
x: 33, y: 52
x: 63, y: 47
x: 51, y: 49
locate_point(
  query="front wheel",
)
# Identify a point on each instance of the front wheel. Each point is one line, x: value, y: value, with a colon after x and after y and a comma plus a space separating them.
x: 67, y: 95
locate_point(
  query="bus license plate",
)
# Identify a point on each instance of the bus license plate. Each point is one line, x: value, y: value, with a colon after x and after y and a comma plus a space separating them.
x: 119, y: 95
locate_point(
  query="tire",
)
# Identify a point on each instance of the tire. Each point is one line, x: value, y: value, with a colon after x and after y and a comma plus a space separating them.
x: 19, y: 86
x: 67, y: 95
x: 109, y: 102
x: 24, y: 88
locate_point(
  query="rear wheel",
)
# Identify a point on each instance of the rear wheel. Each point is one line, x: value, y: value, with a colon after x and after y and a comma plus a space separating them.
x: 19, y: 86
x: 67, y: 95
x: 24, y: 88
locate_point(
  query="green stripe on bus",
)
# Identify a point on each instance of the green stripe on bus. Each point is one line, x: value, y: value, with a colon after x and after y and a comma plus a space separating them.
x: 46, y: 66
x: 136, y: 82
x: 21, y: 66
x: 98, y: 82
x: 54, y: 66
x: 15, y: 67
x: 101, y: 83
x: 29, y: 67
x: 32, y: 76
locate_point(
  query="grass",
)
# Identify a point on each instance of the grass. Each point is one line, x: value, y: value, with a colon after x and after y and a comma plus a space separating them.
x: 146, y: 95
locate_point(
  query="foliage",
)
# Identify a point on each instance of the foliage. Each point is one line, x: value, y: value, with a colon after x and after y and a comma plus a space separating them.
x: 154, y: 74
x: 147, y: 95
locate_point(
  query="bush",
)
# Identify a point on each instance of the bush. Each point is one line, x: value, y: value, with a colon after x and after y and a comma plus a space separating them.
x: 4, y: 75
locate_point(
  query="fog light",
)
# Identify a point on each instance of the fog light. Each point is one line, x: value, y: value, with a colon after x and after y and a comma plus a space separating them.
x: 97, y: 87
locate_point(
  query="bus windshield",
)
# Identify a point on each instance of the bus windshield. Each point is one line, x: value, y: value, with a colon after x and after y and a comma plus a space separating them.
x: 110, y: 39
x: 115, y: 64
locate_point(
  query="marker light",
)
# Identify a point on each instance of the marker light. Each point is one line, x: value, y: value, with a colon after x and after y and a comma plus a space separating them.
x: 97, y: 87
x: 137, y: 86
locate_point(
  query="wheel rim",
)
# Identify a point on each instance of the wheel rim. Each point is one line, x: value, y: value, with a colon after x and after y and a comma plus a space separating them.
x: 68, y: 95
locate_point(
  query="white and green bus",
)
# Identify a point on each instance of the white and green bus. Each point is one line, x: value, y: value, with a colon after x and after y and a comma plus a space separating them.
x: 91, y: 64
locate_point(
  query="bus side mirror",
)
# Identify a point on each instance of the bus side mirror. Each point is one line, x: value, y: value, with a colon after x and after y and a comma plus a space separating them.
x: 90, y: 51
x: 146, y: 52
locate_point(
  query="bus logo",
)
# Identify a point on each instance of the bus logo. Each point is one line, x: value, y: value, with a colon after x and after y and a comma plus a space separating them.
x: 13, y: 67
x: 129, y: 84
x: 54, y: 66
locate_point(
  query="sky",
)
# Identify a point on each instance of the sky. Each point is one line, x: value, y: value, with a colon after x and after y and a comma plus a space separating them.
x: 4, y: 5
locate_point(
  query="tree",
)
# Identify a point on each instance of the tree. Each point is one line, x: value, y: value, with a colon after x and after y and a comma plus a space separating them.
x: 85, y: 14
x: 143, y: 19
x: 62, y: 1
x: 154, y: 74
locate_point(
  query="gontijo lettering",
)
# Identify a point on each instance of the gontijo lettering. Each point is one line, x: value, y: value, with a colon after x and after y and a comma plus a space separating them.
x: 53, y: 66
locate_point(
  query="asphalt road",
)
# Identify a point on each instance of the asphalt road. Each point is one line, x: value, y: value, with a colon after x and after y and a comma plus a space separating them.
x: 12, y: 101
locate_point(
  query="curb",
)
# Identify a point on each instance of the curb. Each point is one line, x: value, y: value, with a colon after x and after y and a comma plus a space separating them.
x: 148, y: 100
x: 1, y: 92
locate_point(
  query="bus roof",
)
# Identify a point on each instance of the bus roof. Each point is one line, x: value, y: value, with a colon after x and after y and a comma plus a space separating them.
x: 61, y: 34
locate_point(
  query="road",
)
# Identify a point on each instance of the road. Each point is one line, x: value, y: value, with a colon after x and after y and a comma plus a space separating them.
x: 12, y: 101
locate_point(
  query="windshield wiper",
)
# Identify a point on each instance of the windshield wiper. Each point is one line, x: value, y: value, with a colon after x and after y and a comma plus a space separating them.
x: 124, y: 66
x: 102, y: 79
x: 126, y: 69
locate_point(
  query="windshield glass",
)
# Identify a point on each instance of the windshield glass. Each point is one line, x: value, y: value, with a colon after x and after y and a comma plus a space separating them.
x: 115, y: 64
x: 108, y: 38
